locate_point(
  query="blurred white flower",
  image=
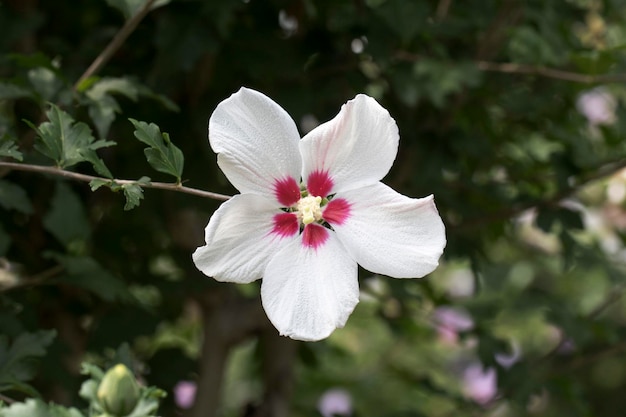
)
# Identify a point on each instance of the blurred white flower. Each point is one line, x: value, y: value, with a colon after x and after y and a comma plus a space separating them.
x: 288, y: 24
x: 185, y: 394
x: 598, y: 106
x: 335, y: 402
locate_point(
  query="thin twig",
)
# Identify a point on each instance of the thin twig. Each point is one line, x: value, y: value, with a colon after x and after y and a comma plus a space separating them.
x: 523, y: 69
x: 88, y: 178
x: 117, y: 41
x: 511, y: 68
x: 7, y: 399
x: 509, y: 212
x: 609, y: 351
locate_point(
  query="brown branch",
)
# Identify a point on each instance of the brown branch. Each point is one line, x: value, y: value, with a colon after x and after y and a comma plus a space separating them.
x: 511, y: 68
x: 442, y: 9
x: 610, y: 351
x: 602, y: 172
x: 118, y: 40
x: 88, y: 178
x: 523, y: 69
x: 279, y: 356
x: 228, y: 319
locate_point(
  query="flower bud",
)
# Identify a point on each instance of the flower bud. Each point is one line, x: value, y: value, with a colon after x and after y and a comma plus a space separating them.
x: 118, y: 392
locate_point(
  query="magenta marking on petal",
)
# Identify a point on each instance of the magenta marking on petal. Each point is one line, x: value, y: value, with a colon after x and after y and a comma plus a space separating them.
x: 337, y: 211
x: 319, y: 183
x: 314, y: 235
x: 285, y: 224
x: 287, y: 191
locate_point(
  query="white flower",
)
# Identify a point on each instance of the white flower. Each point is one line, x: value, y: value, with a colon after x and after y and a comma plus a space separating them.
x: 311, y: 209
x: 598, y: 106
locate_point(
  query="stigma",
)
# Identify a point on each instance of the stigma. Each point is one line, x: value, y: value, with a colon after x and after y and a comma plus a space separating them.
x: 309, y: 210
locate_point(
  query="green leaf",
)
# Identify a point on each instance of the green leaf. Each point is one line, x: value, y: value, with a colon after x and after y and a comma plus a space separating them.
x: 30, y: 408
x: 37, y: 408
x: 88, y: 390
x: 66, y: 220
x: 11, y: 91
x: 18, y: 360
x: 91, y: 370
x: 9, y: 148
x: 13, y: 197
x: 84, y: 272
x: 133, y: 194
x: 64, y: 140
x: 162, y: 154
x: 97, y: 163
x: 102, y: 106
x: 130, y: 7
x: 149, y: 402
x: 97, y: 183
x: 45, y: 82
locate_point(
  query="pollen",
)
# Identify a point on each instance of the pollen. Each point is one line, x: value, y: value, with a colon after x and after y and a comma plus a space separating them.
x: 309, y: 209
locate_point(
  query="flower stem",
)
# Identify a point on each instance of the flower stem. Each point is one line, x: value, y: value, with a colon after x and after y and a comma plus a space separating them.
x: 88, y: 178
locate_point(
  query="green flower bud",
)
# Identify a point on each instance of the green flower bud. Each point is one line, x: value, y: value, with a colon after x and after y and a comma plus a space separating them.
x: 118, y: 392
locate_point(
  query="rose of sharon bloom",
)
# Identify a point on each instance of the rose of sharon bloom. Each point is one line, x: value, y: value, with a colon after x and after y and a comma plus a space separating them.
x: 311, y: 209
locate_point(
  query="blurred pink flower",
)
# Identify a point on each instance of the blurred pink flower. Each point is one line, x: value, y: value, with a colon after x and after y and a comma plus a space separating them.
x: 335, y: 402
x: 185, y: 394
x: 506, y: 360
x: 479, y: 384
x: 598, y: 106
x: 450, y: 321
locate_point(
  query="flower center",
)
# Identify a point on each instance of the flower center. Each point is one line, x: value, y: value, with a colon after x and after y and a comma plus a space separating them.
x: 308, y: 209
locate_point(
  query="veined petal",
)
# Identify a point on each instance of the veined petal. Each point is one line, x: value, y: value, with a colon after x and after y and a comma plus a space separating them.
x: 256, y: 142
x: 309, y: 291
x: 241, y: 237
x: 355, y: 149
x: 391, y: 234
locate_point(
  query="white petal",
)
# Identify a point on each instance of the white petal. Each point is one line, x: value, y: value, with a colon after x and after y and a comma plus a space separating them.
x: 391, y: 234
x: 307, y: 293
x: 356, y: 148
x: 256, y: 141
x: 239, y: 239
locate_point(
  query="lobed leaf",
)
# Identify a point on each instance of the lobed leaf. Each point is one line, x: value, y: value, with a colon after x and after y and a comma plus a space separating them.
x: 67, y: 142
x: 162, y: 154
x: 85, y: 272
x: 37, y: 408
x: 133, y: 194
x: 9, y: 148
x: 17, y: 360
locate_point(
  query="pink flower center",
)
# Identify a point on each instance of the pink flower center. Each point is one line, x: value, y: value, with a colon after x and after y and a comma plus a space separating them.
x: 310, y: 210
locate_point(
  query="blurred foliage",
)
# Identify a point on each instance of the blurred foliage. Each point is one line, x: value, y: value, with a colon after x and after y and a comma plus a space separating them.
x: 512, y: 113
